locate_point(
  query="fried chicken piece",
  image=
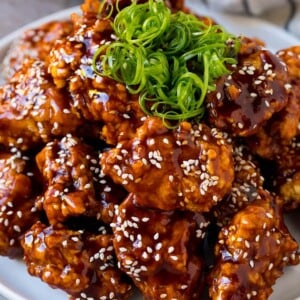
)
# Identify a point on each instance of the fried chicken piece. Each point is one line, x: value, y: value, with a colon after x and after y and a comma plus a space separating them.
x: 189, y: 168
x: 74, y: 183
x: 17, y: 193
x: 256, y: 89
x: 159, y: 250
x: 33, y: 110
x: 247, y: 182
x: 287, y: 180
x: 94, y: 97
x: 81, y: 264
x: 251, y: 252
x: 291, y: 57
x: 35, y: 43
x: 283, y: 127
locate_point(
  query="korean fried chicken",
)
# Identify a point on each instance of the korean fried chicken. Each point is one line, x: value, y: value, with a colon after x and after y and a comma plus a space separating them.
x: 32, y: 110
x: 255, y: 89
x: 82, y: 264
x: 287, y: 178
x: 251, y: 252
x: 34, y: 43
x: 17, y: 195
x: 102, y: 198
x: 283, y: 127
x: 247, y: 183
x: 159, y: 250
x: 74, y: 183
x: 94, y: 97
x: 187, y: 168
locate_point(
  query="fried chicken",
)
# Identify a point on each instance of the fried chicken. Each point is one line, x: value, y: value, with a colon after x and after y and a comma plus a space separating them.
x: 159, y: 250
x: 34, y: 43
x: 74, y: 183
x: 32, y: 110
x: 249, y: 96
x: 251, y: 252
x: 247, y: 183
x: 17, y: 194
x: 187, y: 168
x: 81, y: 264
x: 94, y: 97
x: 287, y: 176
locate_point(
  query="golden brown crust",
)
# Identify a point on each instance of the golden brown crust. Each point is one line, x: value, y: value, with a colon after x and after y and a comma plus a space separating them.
x: 74, y: 183
x: 188, y: 168
x: 247, y: 183
x: 245, y: 99
x: 17, y: 194
x: 251, y: 252
x: 81, y: 264
x: 35, y: 43
x: 32, y: 110
x: 160, y: 250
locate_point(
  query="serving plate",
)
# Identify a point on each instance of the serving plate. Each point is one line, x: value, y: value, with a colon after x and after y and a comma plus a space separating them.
x: 16, y: 284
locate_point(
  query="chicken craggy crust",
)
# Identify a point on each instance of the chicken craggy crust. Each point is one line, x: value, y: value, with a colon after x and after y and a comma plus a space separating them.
x: 17, y: 196
x: 159, y: 250
x: 251, y: 94
x: 32, y: 110
x: 188, y: 168
x: 94, y: 98
x: 251, y: 252
x: 81, y: 264
x: 74, y: 183
x: 35, y: 43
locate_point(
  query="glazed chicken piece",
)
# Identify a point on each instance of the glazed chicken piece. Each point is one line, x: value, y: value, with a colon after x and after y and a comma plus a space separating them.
x: 291, y: 57
x: 247, y: 183
x: 74, y: 183
x: 189, y: 168
x: 251, y: 252
x: 283, y: 127
x: 95, y: 98
x: 17, y: 193
x: 159, y: 250
x: 287, y: 179
x: 34, y: 43
x: 33, y: 110
x: 256, y: 89
x: 81, y: 264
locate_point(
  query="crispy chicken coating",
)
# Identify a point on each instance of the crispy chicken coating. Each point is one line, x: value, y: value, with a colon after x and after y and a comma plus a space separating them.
x: 74, y: 183
x: 33, y: 110
x: 256, y: 89
x: 283, y: 127
x: 94, y: 97
x: 81, y: 264
x: 247, y: 182
x: 17, y: 193
x: 34, y: 43
x: 291, y: 57
x: 187, y: 168
x: 159, y: 250
x: 287, y: 179
x: 251, y: 252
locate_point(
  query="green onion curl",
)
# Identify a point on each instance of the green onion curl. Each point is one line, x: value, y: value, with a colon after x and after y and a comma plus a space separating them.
x: 170, y: 59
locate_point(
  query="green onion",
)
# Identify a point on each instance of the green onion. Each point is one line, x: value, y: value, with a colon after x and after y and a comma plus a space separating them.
x: 170, y: 59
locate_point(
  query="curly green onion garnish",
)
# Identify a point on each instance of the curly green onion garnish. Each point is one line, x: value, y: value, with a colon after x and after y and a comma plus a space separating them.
x: 171, y: 59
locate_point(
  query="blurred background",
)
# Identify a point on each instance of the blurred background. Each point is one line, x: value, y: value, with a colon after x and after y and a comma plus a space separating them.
x: 16, y: 13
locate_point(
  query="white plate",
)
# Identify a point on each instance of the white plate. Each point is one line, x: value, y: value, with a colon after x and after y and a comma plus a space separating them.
x: 16, y: 284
